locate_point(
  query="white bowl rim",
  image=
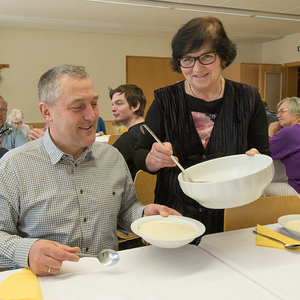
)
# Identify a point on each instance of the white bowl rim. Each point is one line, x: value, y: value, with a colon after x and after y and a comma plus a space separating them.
x: 283, y: 220
x: 200, y: 227
x: 226, y: 180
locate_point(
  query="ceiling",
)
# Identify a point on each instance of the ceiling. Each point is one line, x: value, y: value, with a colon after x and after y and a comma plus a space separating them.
x: 160, y: 21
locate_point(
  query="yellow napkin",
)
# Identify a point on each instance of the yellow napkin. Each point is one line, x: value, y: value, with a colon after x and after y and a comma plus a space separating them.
x: 262, y: 241
x: 21, y: 286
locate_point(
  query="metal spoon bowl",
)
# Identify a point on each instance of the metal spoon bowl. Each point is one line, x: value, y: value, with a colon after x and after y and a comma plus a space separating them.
x: 107, y: 257
x: 289, y: 246
x: 187, y: 175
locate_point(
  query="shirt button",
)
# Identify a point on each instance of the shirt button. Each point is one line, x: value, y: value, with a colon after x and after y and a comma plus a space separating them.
x: 81, y: 191
x: 86, y: 249
x: 84, y: 220
x: 75, y: 165
x: 113, y: 193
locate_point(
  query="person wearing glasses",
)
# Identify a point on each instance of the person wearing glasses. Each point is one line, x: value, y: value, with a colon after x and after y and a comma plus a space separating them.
x: 203, y: 117
x: 284, y: 137
x: 16, y: 118
x: 11, y: 136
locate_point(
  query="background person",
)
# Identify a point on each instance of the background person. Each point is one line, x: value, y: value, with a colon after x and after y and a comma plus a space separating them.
x: 128, y: 105
x: 2, y: 150
x: 14, y: 137
x: 87, y: 192
x: 101, y: 127
x: 285, y: 146
x: 271, y: 115
x: 16, y: 117
x: 200, y: 118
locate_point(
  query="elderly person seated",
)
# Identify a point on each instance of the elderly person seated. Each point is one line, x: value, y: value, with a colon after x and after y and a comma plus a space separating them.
x: 285, y: 146
x: 13, y: 137
x: 16, y: 118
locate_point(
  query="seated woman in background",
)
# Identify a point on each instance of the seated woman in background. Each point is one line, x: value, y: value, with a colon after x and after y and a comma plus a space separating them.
x: 285, y: 146
x: 128, y: 105
x: 16, y: 118
x: 101, y: 127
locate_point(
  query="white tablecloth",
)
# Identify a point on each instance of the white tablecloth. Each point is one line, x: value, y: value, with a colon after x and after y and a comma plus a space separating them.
x: 102, y: 138
x: 152, y: 273
x: 276, y: 270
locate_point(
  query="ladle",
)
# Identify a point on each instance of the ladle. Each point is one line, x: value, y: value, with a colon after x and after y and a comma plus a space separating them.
x: 107, y: 257
x: 172, y: 157
x: 289, y: 246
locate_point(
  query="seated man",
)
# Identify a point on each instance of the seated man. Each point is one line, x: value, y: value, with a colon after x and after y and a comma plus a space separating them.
x: 87, y: 189
x: 14, y: 137
x: 128, y: 105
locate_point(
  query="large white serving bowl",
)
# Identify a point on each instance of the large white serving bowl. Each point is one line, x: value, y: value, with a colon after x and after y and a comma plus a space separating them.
x: 291, y: 223
x: 168, y: 232
x: 232, y: 181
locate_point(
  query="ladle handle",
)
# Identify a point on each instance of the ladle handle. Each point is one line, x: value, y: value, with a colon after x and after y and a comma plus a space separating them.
x: 172, y: 157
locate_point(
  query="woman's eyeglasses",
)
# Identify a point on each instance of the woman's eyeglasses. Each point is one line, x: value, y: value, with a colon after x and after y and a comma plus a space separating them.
x: 204, y: 59
x: 280, y: 112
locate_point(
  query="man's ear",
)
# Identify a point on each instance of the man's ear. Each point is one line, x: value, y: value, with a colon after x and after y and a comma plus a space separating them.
x: 45, y: 111
x: 137, y: 107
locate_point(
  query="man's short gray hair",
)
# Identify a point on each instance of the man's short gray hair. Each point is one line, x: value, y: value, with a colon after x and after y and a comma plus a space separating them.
x: 49, y: 88
x: 1, y: 98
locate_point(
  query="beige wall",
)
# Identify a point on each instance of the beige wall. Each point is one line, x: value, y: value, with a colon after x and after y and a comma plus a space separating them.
x: 282, y: 51
x: 30, y: 53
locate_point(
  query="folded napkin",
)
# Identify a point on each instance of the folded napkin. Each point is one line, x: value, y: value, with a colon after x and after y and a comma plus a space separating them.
x: 21, y: 286
x: 263, y: 241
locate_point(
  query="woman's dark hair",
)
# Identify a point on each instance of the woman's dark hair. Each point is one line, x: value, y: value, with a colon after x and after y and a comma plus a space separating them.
x: 133, y: 94
x: 199, y: 32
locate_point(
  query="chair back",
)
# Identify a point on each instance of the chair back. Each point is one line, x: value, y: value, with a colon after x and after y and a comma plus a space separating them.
x: 112, y: 138
x: 145, y: 183
x: 263, y: 211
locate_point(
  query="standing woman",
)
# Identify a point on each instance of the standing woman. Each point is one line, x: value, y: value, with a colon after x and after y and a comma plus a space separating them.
x: 200, y: 118
x: 285, y: 146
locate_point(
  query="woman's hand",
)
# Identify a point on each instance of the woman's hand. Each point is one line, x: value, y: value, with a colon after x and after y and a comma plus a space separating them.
x: 159, y: 157
x: 274, y: 127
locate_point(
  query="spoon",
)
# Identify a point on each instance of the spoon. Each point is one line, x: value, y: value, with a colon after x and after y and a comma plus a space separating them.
x: 107, y: 257
x: 289, y: 246
x: 172, y: 157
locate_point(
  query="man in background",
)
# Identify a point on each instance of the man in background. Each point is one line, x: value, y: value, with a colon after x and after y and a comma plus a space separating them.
x: 128, y: 105
x: 272, y: 116
x: 13, y: 137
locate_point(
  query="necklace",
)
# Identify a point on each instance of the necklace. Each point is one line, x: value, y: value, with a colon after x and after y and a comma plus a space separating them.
x: 222, y: 88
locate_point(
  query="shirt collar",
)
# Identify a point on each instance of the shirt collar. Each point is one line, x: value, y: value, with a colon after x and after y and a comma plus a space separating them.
x: 56, y: 154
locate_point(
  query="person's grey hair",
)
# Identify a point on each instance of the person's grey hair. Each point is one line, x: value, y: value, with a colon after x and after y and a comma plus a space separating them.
x: 4, y: 101
x: 49, y: 88
x: 15, y: 115
x: 293, y: 103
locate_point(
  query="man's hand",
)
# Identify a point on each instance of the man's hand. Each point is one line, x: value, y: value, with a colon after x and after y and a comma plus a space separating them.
x: 46, y: 257
x: 156, y: 209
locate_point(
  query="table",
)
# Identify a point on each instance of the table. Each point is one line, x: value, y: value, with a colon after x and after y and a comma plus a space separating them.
x: 102, y: 138
x: 148, y: 272
x: 276, y: 270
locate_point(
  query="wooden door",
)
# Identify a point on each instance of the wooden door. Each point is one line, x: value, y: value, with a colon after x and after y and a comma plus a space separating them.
x: 150, y: 73
x: 272, y: 84
x: 293, y: 79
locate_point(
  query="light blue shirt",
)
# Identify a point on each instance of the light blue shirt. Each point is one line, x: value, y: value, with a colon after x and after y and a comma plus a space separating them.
x: 12, y: 138
x: 46, y: 194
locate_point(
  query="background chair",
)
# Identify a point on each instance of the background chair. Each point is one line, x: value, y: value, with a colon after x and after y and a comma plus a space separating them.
x: 112, y: 138
x: 263, y: 211
x: 145, y: 183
